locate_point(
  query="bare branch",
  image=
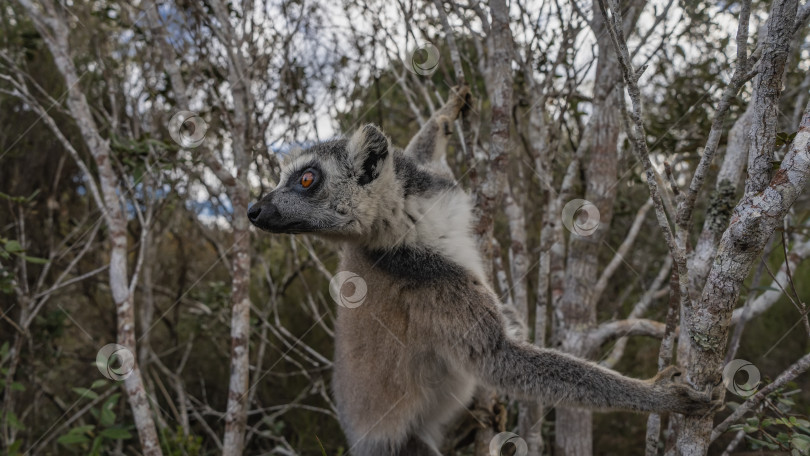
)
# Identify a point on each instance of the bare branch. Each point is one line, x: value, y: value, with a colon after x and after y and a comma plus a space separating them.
x: 796, y: 369
x: 625, y: 328
x: 621, y: 252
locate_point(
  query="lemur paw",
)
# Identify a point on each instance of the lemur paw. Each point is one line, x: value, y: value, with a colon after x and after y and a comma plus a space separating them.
x: 683, y: 398
x: 459, y: 100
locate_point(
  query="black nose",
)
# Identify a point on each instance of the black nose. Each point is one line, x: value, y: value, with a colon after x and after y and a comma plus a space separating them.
x: 254, y: 212
x: 263, y: 214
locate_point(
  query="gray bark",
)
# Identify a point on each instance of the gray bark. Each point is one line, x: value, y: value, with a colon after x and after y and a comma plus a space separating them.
x: 754, y: 219
x: 490, y: 192
x: 768, y: 88
x: 765, y: 203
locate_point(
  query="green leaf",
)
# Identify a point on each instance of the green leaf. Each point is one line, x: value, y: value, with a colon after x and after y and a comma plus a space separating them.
x: 33, y: 195
x: 787, y: 401
x: 72, y: 439
x: 116, y: 434
x: 801, y: 444
x: 107, y: 417
x: 762, y: 443
x: 76, y: 435
x: 82, y: 429
x: 95, y: 450
x: 784, y: 137
x: 14, y: 448
x: 98, y: 383
x: 12, y: 420
x: 323, y: 450
x: 84, y: 392
x: 17, y: 386
x: 13, y: 246
x: 35, y: 260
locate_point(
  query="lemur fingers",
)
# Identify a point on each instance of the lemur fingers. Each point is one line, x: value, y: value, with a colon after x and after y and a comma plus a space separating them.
x: 686, y: 399
x: 459, y: 100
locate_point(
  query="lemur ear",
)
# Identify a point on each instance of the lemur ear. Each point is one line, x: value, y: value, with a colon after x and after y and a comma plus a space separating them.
x: 368, y: 150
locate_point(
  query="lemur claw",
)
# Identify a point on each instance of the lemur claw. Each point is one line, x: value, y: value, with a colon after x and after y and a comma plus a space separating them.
x: 686, y: 399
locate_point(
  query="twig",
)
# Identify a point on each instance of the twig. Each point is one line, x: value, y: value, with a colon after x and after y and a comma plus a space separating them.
x: 687, y: 205
x: 451, y: 43
x: 638, y: 137
x: 798, y: 368
x: 799, y: 303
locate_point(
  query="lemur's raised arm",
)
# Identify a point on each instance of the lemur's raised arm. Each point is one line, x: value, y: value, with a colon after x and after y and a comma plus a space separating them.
x: 430, y: 143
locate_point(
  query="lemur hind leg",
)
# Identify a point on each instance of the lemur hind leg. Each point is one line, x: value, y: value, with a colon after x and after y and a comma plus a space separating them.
x: 430, y: 143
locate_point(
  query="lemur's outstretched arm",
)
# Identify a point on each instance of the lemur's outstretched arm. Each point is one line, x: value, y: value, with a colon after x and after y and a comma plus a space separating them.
x: 524, y: 370
x: 555, y: 377
x: 431, y: 142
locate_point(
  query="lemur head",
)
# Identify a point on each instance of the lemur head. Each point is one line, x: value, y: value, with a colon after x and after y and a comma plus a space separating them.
x: 335, y: 189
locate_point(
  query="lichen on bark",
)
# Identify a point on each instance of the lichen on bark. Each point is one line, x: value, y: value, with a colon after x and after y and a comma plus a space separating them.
x: 720, y: 207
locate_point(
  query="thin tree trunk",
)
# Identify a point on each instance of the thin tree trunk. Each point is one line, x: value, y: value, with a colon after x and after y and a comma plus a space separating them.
x: 54, y: 31
x: 577, y: 309
x: 490, y: 191
x: 531, y: 413
x: 768, y: 89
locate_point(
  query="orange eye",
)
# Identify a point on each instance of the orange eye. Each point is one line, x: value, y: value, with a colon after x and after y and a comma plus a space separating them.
x: 307, y: 179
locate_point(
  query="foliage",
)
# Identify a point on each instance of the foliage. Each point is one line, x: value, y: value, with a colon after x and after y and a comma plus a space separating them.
x: 776, y: 427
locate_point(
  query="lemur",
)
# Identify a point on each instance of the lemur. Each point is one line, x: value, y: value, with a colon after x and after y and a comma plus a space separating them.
x: 431, y: 329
